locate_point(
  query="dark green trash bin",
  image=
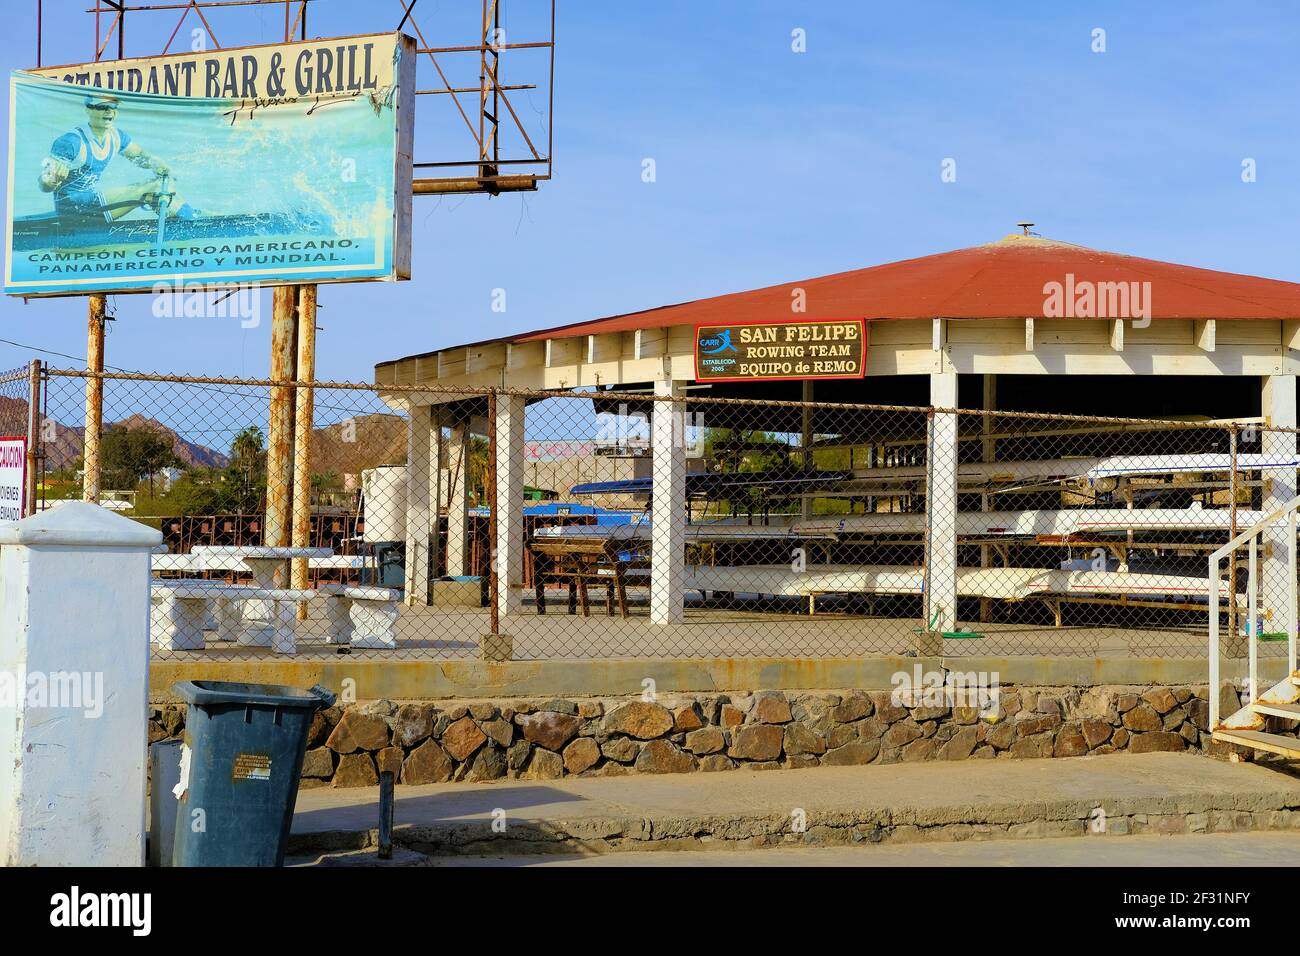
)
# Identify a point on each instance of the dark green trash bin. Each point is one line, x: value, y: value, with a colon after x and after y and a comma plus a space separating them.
x: 239, y: 778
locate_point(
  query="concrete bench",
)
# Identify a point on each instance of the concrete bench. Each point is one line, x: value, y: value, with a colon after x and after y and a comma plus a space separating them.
x: 181, y: 607
x: 361, y: 615
x: 179, y: 612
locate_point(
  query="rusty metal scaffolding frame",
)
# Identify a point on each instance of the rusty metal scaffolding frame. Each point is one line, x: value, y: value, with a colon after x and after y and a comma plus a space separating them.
x: 482, y: 174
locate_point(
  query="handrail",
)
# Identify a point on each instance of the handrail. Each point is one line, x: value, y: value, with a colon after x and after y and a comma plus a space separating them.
x: 1215, y: 578
x: 1263, y: 523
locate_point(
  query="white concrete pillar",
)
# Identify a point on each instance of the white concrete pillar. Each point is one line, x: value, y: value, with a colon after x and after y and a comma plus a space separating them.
x: 508, y: 549
x: 805, y: 444
x: 421, y: 467
x: 988, y: 453
x: 74, y: 687
x: 941, y: 508
x: 455, y: 458
x: 668, y: 514
x: 1278, y: 406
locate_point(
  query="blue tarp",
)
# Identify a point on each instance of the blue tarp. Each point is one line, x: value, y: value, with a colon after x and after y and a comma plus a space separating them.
x: 558, y: 509
x: 773, y: 481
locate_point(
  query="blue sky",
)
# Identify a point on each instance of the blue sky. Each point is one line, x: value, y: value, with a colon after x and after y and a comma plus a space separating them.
x: 774, y: 165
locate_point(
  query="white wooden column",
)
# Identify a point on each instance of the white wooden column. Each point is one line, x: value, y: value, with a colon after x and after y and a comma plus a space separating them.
x: 1278, y: 406
x: 508, y: 549
x: 455, y: 457
x: 941, y: 508
x: 420, y: 467
x: 668, y: 514
x: 74, y: 652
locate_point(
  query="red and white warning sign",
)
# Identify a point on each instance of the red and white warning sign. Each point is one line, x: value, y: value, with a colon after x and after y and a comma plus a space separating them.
x: 13, y: 478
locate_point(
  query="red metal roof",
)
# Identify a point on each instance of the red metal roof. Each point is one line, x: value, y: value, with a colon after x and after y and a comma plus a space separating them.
x: 1003, y: 279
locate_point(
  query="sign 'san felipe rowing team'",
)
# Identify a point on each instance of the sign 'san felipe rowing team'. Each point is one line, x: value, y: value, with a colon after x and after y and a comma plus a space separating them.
x: 774, y: 351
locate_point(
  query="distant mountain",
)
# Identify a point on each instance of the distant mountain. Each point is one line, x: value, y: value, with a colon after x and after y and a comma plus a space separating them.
x: 361, y: 442
x: 187, y: 452
x: 349, y: 447
x: 64, y: 448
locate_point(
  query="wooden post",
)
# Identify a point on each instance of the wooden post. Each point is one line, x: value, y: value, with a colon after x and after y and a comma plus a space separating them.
x: 94, y: 400
x: 279, y: 443
x: 33, y: 433
x: 304, y: 410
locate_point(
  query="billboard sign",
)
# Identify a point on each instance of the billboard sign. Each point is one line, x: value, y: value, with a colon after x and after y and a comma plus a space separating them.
x: 776, y: 351
x: 271, y: 165
x: 13, y: 478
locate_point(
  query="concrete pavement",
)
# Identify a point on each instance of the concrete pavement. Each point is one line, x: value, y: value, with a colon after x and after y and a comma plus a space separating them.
x: 1116, y: 795
x: 1186, y: 850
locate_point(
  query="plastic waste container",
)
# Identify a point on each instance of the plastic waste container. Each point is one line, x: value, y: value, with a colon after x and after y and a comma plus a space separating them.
x: 240, y: 768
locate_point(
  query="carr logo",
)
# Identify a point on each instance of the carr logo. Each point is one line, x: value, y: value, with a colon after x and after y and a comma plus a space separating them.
x: 713, y: 344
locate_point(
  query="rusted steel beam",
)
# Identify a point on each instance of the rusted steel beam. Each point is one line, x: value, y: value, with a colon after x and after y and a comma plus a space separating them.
x: 94, y: 399
x: 499, y: 184
x: 279, y: 441
x: 304, y: 410
x: 475, y: 89
x: 208, y: 4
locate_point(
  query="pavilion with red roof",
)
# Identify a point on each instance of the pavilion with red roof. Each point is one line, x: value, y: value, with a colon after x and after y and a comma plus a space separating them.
x: 1024, y: 323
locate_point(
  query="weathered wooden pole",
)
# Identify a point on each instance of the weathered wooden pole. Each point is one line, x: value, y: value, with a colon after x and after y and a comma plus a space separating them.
x: 304, y: 408
x: 94, y: 400
x: 279, y: 439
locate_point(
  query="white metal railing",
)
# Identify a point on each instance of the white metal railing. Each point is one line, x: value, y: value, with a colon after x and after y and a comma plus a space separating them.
x: 1251, y: 537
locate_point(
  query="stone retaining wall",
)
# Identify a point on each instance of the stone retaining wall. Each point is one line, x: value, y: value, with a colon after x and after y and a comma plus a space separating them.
x: 546, y: 739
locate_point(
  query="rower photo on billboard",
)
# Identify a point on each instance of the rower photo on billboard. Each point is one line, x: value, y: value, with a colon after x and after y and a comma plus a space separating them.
x: 116, y: 191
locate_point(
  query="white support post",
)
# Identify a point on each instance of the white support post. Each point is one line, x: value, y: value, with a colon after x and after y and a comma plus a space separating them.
x: 74, y: 650
x: 989, y: 453
x: 941, y: 508
x: 805, y: 445
x: 420, y: 465
x: 456, y: 457
x: 668, y: 516
x: 508, y: 549
x: 1278, y: 406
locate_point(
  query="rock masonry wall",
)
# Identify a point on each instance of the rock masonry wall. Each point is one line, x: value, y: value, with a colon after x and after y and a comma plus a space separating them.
x: 544, y: 739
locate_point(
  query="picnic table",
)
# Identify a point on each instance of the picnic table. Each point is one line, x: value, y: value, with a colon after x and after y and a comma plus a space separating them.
x: 262, y: 614
x: 269, y: 566
x: 583, y: 563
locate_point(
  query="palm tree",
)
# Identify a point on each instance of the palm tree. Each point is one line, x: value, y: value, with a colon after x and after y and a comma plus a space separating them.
x: 248, y: 462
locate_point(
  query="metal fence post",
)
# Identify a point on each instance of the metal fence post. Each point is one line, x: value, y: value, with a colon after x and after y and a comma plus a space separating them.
x: 1232, y: 533
x: 490, y: 494
x: 33, y: 431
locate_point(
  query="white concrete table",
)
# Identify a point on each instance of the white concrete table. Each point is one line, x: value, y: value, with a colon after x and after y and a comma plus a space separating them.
x: 362, y: 615
x: 269, y: 566
x: 263, y: 617
x: 182, y: 608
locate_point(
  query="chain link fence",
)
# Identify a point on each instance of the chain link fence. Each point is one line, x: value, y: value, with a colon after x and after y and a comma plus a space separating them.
x: 14, y: 389
x: 672, y: 524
